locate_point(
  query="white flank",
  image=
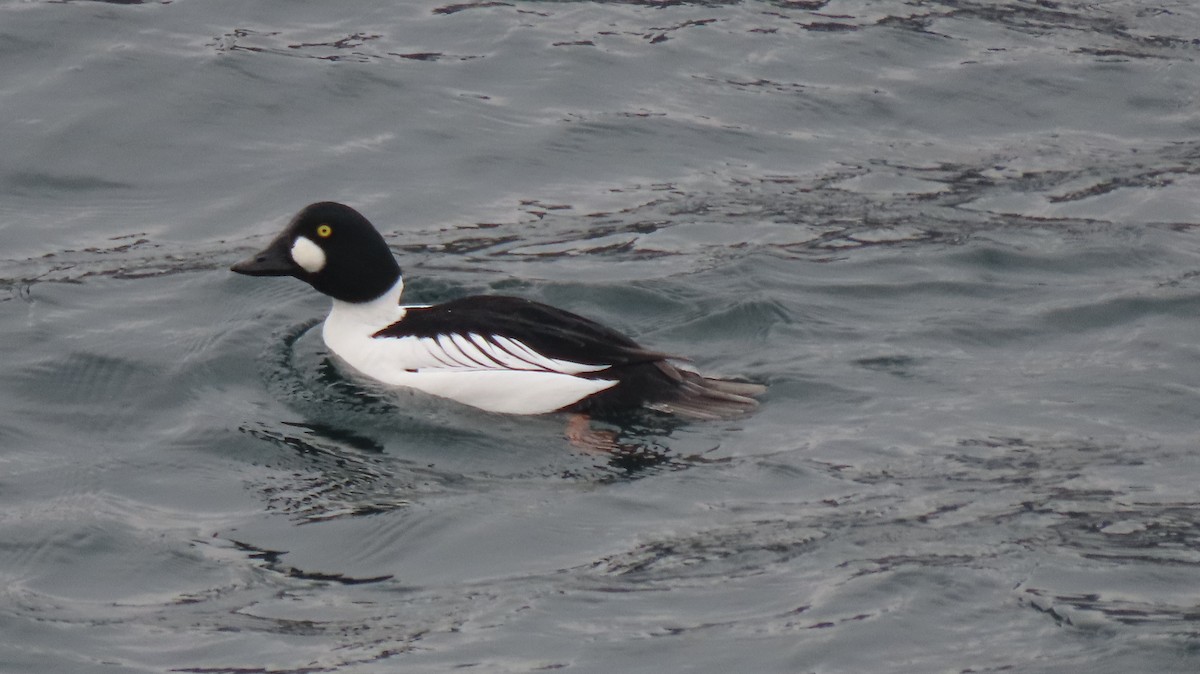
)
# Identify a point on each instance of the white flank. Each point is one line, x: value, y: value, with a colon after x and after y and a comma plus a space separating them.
x: 510, y: 379
x: 308, y: 255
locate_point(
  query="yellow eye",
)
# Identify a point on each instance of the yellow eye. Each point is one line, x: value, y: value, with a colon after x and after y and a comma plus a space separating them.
x: 324, y: 231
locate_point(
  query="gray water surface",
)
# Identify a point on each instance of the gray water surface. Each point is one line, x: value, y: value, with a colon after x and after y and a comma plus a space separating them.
x: 959, y: 240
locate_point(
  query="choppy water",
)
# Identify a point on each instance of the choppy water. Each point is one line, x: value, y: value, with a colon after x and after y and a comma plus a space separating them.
x: 958, y: 239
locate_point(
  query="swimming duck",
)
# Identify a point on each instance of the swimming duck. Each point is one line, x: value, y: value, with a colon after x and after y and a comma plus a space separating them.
x: 496, y: 353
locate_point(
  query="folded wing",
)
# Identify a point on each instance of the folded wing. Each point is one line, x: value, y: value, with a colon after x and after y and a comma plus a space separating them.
x: 509, y: 333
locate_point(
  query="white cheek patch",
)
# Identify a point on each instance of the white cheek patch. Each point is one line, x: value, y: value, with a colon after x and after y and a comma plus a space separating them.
x: 308, y: 255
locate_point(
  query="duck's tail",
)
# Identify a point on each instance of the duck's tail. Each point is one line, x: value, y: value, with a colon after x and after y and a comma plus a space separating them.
x: 707, y: 398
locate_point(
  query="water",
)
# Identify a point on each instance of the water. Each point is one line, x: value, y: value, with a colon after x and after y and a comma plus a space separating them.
x: 957, y: 239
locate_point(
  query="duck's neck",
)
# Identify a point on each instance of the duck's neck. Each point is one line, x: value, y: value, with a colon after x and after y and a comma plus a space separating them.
x: 373, y: 314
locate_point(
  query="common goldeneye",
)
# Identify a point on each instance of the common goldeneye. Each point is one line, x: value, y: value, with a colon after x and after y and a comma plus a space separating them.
x: 500, y: 354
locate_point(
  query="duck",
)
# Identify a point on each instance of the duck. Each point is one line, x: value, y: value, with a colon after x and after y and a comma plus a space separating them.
x: 497, y: 353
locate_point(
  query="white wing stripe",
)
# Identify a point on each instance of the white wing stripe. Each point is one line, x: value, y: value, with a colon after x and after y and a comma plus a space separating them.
x: 503, y: 358
x: 451, y: 350
x: 432, y: 348
x: 525, y: 353
x: 509, y: 348
x: 472, y: 352
x: 552, y: 364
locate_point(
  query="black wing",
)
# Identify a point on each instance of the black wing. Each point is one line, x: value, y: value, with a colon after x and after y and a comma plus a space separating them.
x: 549, y: 331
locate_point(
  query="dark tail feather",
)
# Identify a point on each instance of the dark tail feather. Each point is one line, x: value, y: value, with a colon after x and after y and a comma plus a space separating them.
x: 708, y: 398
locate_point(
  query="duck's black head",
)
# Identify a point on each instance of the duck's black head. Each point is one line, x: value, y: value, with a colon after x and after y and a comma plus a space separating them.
x: 333, y: 248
